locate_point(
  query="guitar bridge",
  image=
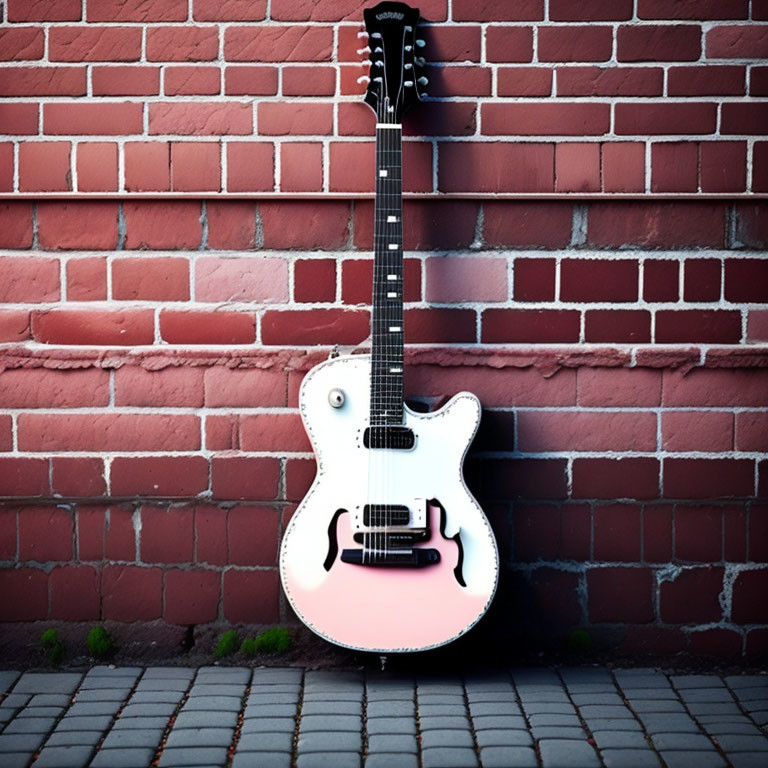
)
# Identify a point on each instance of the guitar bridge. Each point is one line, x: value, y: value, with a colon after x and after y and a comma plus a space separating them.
x: 398, y: 558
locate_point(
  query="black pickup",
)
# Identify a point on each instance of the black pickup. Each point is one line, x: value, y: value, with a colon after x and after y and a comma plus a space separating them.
x: 389, y: 436
x: 405, y: 558
x: 375, y: 515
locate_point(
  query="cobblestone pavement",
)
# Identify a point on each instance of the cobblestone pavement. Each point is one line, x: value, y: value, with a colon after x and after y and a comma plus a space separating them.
x: 578, y: 717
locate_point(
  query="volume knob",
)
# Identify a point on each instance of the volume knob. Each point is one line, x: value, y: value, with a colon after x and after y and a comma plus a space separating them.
x: 336, y: 398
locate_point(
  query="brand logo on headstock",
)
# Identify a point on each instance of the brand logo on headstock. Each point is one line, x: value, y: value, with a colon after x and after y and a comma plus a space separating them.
x: 390, y: 15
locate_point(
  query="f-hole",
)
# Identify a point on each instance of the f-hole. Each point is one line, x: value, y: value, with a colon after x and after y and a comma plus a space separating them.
x: 458, y: 570
x: 333, y: 544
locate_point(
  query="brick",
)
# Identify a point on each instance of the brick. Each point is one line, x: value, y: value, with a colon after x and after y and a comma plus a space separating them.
x: 90, y: 533
x: 226, y: 387
x: 97, y: 167
x: 74, y: 593
x: 759, y: 10
x: 193, y: 118
x: 14, y: 325
x: 758, y: 533
x: 723, y: 166
x: 250, y: 81
x: 751, y: 431
x: 45, y: 10
x: 128, y: 80
x: 154, y: 279
x: 229, y: 10
x: 708, y: 478
x: 29, y: 279
x: 324, y: 225
x: 93, y: 43
x: 626, y: 326
x: 137, y: 10
x: 45, y: 533
x: 278, y: 43
x: 357, y: 280
x: 131, y: 593
x: 498, y: 10
x: 543, y: 431
x: 195, y: 166
x: 314, y: 326
x: 559, y: 119
x: 87, y: 279
x: 610, y: 81
x: 187, y: 327
x: 745, y: 280
x: 633, y: 478
x: 572, y: 43
x: 620, y: 595
x: 589, y: 10
x: 648, y: 640
x: 301, y: 167
x: 252, y: 279
x: 162, y: 225
x: 309, y: 81
x: 231, y: 225
x: 273, y: 432
x: 191, y: 597
x: 757, y: 325
x: 748, y: 605
x: 314, y: 280
x: 104, y: 327
x: 250, y: 167
x: 527, y: 224
x: 244, y: 478
x: 192, y: 81
x: 25, y: 594
x: 537, y: 479
x: 758, y: 81
x: 620, y: 387
x: 716, y: 642
x: 147, y: 166
x: 709, y: 80
x: 441, y: 119
x: 674, y: 167
x: 735, y: 534
x: 454, y: 280
x: 92, y: 119
x: 440, y: 326
x: 617, y: 536
x: 120, y: 537
x: 520, y: 81
x: 43, y: 388
x: 697, y: 431
x: 467, y: 166
x: 679, y: 42
x: 457, y: 42
x: 534, y: 279
x: 705, y: 10
x: 45, y: 166
x: 598, y: 280
x: 158, y: 476
x: 211, y: 535
x: 747, y: 118
x: 661, y: 280
x: 18, y: 119
x: 716, y: 388
x: 657, y: 225
x: 701, y: 280
x: 45, y: 81
x: 251, y: 596
x: 252, y: 535
x: 6, y: 433
x: 22, y: 44
x: 726, y: 41
x: 657, y: 533
x: 167, y: 535
x: 78, y: 477
x: 299, y: 474
x: 577, y: 167
x: 60, y: 225
x: 554, y: 595
x: 352, y: 167
x: 752, y: 223
x: 6, y: 167
x: 692, y: 597
x: 544, y: 326
x: 665, y: 118
x: 462, y: 81
x: 182, y: 43
x: 698, y: 325
x: 178, y: 387
x: 507, y: 44
x: 108, y: 432
x: 698, y: 534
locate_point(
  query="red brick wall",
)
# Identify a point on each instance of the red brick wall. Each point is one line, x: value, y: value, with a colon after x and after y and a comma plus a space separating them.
x: 185, y: 228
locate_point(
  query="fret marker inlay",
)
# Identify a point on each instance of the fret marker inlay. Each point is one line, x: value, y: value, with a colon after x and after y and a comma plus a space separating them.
x: 391, y: 219
x: 391, y: 277
x: 393, y: 246
x: 383, y: 172
x: 394, y: 329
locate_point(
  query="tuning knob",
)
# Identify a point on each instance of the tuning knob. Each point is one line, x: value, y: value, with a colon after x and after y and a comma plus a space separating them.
x: 419, y: 61
x: 420, y: 43
x: 408, y: 66
x: 361, y: 51
x: 364, y: 79
x: 408, y: 83
x: 378, y: 63
x: 362, y: 35
x: 422, y: 81
x: 366, y: 62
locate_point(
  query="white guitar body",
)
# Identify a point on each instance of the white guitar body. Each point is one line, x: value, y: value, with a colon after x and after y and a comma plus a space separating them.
x: 369, y: 606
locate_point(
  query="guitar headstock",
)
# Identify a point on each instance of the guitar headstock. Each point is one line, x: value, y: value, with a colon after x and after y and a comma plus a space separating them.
x: 395, y: 83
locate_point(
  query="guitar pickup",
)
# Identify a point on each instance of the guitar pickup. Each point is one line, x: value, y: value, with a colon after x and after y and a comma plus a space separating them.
x: 375, y: 515
x: 393, y: 437
x: 401, y: 558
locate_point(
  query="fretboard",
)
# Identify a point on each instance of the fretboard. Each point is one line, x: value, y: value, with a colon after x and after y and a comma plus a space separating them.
x: 387, y: 317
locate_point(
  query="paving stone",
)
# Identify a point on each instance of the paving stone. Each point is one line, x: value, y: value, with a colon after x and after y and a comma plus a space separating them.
x: 741, y: 743
x: 760, y: 716
x: 613, y: 724
x: 747, y: 681
x: 157, y: 697
x: 630, y: 758
x: 6, y: 715
x: 444, y: 722
x: 48, y: 682
x: 129, y: 739
x: 597, y: 689
x: 217, y: 689
x: 747, y: 759
x: 549, y: 708
x: 708, y: 695
x: 750, y: 694
x: 122, y: 758
x: 150, y: 709
x: 429, y: 710
x: 687, y: 741
x: 228, y: 675
x: 605, y: 711
x: 107, y: 670
x: 333, y: 723
x: 620, y: 739
x: 584, y: 675
x: 169, y: 673
x: 15, y: 700
x: 352, y: 708
x: 213, y: 703
x: 35, y: 712
x: 265, y: 742
x: 102, y: 683
x: 391, y: 760
x: 480, y: 708
x: 504, y: 757
x: 200, y: 737
x: 51, y: 700
x: 89, y: 723
x: 682, y: 759
x: 262, y: 760
x: 20, y: 742
x: 30, y: 725
x: 393, y: 694
x: 440, y: 698
x: 63, y: 757
x: 610, y: 699
x: 743, y: 728
x: 269, y: 725
x: 555, y: 719
x: 718, y: 708
x: 7, y: 679
x: 547, y: 697
x: 277, y: 675
x: 448, y: 757
x: 271, y: 710
x: 103, y: 694
x: 88, y: 708
x: 340, y: 741
x: 498, y: 721
x: 503, y: 738
x: 205, y: 720
x: 487, y: 696
x: 564, y: 753
x: 649, y: 694
x: 74, y: 738
x: 381, y: 709
x: 641, y: 681
x: 669, y: 723
x: 272, y: 698
x: 390, y: 725
x: 16, y: 759
x: 557, y: 732
x: 334, y: 696
x: 393, y: 742
x: 525, y: 676
x: 163, y: 684
x: 658, y: 705
x: 696, y: 681
x: 133, y: 723
x: 327, y: 759
x: 181, y: 757
x: 449, y: 738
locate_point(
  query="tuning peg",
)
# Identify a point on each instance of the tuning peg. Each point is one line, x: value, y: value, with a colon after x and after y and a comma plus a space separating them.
x: 408, y: 29
x: 378, y: 63
x: 361, y: 51
x: 376, y: 35
x: 409, y: 48
x: 408, y: 83
x: 408, y: 66
x: 366, y: 62
x: 364, y: 79
x: 419, y: 61
x: 362, y: 34
x: 420, y: 43
x: 422, y: 81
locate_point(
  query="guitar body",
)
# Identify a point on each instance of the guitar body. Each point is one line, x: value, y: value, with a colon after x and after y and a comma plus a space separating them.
x: 385, y: 606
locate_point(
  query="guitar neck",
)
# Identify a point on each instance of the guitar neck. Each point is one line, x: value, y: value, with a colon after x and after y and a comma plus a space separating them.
x: 387, y: 316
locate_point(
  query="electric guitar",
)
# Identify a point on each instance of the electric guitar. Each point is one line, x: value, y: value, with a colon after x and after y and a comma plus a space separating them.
x: 388, y: 551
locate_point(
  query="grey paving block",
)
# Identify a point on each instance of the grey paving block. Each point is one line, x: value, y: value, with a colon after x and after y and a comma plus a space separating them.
x: 89, y: 723
x: 200, y: 737
x: 147, y: 738
x: 53, y: 712
x: 217, y: 689
x: 390, y: 725
x: 327, y: 759
x: 641, y: 681
x: 480, y: 708
x: 760, y: 716
x: 706, y: 694
x: 747, y: 681
x: 51, y: 700
x: 547, y: 697
x: 106, y: 683
x: 133, y: 723
x: 157, y: 697
x: 620, y: 740
x: 428, y: 710
x: 88, y: 708
x: 335, y: 696
x: 64, y: 757
x: 277, y: 675
x: 649, y: 694
x: 444, y: 697
x: 716, y: 708
x: 347, y: 708
x: 504, y: 757
x: 169, y: 673
x: 6, y: 715
x: 122, y: 758
x: 205, y: 720
x: 564, y: 753
x: 630, y: 758
x: 399, y: 742
x: 103, y: 694
x: 613, y: 724
x: 179, y: 685
x: 340, y: 741
x: 557, y: 732
x: 446, y: 738
x: 592, y: 699
x: 15, y: 700
x: 747, y: 759
x: 605, y: 711
x: 20, y: 742
x: 682, y: 759
x: 271, y: 710
x: 696, y: 681
x: 669, y: 723
x: 444, y: 722
x: 743, y: 728
x: 548, y: 708
x: 30, y: 725
x: 498, y: 721
x: 332, y: 723
x: 750, y: 694
x: 48, y: 682
x: 7, y: 679
x: 658, y: 705
x: 686, y: 741
x: 148, y: 709
x: 181, y: 757
x: 384, y: 709
x: 262, y: 760
x: 213, y: 703
x: 390, y: 694
x: 16, y: 759
x: 488, y: 696
x: 74, y: 738
x: 259, y: 699
x: 391, y: 760
x: 555, y: 719
x: 265, y: 742
x: 742, y: 743
x: 269, y: 725
x: 448, y: 757
x: 215, y: 675
x: 501, y: 737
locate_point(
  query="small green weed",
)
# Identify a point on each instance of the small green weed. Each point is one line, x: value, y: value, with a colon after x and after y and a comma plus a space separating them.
x: 579, y: 641
x: 228, y: 644
x: 100, y: 643
x: 54, y: 648
x: 273, y: 640
x: 249, y: 647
